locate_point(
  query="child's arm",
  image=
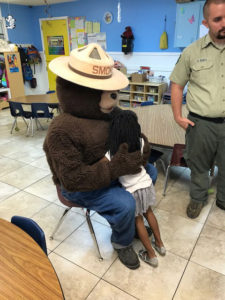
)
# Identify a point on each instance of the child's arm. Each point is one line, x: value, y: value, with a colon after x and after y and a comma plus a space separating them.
x: 146, y: 150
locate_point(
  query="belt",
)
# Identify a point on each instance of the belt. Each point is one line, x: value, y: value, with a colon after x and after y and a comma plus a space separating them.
x: 214, y: 120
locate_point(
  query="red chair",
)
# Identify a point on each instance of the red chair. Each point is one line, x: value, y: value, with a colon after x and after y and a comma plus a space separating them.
x: 71, y: 204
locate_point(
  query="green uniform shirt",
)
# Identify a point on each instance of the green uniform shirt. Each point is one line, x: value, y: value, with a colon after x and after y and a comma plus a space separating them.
x: 202, y: 65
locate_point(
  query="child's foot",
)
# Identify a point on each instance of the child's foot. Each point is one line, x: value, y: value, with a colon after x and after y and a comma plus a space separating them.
x: 153, y: 261
x: 159, y: 247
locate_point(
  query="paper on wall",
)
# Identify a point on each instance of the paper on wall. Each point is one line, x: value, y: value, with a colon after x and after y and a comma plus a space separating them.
x: 88, y: 27
x: 79, y: 22
x: 99, y: 38
x: 96, y: 27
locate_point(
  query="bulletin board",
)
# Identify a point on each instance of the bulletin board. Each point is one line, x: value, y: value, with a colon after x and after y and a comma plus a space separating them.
x: 83, y: 32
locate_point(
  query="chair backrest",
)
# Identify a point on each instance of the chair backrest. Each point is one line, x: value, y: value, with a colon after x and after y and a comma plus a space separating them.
x: 64, y: 200
x: 31, y: 228
x: 50, y: 92
x: 40, y: 110
x: 16, y: 109
x: 177, y: 158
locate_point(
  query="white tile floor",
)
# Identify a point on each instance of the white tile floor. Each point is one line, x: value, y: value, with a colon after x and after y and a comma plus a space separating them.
x: 194, y: 267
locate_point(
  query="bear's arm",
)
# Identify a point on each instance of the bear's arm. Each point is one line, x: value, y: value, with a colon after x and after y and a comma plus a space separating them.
x: 65, y: 160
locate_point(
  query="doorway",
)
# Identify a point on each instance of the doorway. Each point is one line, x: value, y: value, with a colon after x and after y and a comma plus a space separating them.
x: 55, y: 43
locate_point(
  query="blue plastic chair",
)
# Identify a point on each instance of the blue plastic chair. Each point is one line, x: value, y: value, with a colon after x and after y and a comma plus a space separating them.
x: 16, y: 110
x: 39, y: 111
x: 31, y: 228
x: 52, y: 106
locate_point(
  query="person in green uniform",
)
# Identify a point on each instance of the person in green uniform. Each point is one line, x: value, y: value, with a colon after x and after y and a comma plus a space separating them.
x: 202, y: 66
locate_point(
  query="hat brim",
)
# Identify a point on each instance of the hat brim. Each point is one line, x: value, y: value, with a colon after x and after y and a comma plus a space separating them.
x: 60, y: 67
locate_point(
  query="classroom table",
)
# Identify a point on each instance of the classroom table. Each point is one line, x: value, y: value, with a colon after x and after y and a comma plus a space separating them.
x: 158, y: 124
x: 43, y: 98
x: 25, y: 270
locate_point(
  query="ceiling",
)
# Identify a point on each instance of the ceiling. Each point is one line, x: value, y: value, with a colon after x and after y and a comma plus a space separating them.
x: 34, y: 2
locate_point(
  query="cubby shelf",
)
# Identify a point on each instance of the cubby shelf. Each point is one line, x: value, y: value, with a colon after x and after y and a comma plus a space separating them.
x: 140, y: 92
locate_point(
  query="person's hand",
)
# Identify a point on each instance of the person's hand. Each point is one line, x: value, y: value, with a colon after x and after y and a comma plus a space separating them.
x: 146, y: 150
x: 124, y: 162
x: 184, y: 122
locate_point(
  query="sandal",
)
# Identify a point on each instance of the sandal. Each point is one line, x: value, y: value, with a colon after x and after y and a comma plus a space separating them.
x: 160, y: 250
x: 143, y: 254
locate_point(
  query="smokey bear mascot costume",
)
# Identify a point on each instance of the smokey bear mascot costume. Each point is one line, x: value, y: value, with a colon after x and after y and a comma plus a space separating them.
x: 76, y: 143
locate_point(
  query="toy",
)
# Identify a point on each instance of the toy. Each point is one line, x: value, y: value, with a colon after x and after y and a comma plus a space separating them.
x: 127, y: 40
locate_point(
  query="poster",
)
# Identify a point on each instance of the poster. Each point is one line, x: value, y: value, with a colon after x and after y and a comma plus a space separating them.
x: 56, y: 45
x: 13, y: 63
x: 77, y: 34
x: 88, y: 27
x: 99, y: 38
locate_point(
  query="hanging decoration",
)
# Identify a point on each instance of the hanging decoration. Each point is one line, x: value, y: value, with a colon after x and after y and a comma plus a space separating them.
x: 10, y: 21
x: 119, y: 12
x: 127, y: 40
x: 47, y: 6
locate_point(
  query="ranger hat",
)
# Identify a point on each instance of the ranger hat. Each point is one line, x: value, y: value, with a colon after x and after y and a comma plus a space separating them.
x: 89, y: 66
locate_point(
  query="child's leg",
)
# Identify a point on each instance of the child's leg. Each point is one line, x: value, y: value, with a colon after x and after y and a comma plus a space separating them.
x: 152, y: 221
x: 143, y: 235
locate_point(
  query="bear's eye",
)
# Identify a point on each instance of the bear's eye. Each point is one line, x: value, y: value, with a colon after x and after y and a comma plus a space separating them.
x: 113, y: 96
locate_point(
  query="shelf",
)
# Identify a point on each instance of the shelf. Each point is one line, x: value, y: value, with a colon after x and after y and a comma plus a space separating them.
x: 147, y: 91
x: 136, y: 92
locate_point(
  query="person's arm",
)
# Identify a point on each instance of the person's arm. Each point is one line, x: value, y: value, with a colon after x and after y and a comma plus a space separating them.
x: 176, y: 101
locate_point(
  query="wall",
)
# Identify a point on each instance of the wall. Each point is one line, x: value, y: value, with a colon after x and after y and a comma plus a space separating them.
x: 146, y: 17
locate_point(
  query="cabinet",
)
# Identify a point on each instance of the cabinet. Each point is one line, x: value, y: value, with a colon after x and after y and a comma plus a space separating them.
x: 188, y: 19
x: 15, y: 78
x: 140, y: 92
x: 4, y: 95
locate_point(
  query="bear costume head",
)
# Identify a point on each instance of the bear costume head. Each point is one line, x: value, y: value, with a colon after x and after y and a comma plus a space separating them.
x: 88, y: 73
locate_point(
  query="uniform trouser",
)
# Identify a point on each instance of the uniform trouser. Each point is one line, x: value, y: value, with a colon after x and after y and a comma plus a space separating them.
x: 205, y: 145
x: 116, y: 205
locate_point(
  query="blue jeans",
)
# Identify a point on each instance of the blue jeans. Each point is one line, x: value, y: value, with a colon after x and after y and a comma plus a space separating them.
x: 116, y: 205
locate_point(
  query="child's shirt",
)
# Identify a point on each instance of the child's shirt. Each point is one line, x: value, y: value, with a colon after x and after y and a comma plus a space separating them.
x: 134, y: 182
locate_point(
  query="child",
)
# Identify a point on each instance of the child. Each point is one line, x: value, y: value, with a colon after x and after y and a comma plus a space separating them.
x: 125, y: 128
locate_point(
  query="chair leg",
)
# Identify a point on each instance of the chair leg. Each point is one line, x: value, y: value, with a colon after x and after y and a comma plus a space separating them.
x: 59, y: 223
x: 32, y: 127
x: 25, y: 121
x: 28, y: 128
x: 163, y: 165
x: 40, y: 124
x: 166, y: 179
x: 93, y: 233
x: 14, y: 124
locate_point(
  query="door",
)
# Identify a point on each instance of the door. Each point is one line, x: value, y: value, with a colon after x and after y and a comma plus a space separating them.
x: 56, y: 43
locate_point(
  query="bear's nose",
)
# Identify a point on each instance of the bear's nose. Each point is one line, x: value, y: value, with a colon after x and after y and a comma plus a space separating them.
x: 113, y: 96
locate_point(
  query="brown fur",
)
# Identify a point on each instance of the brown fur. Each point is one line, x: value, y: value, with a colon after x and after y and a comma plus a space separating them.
x: 76, y: 142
